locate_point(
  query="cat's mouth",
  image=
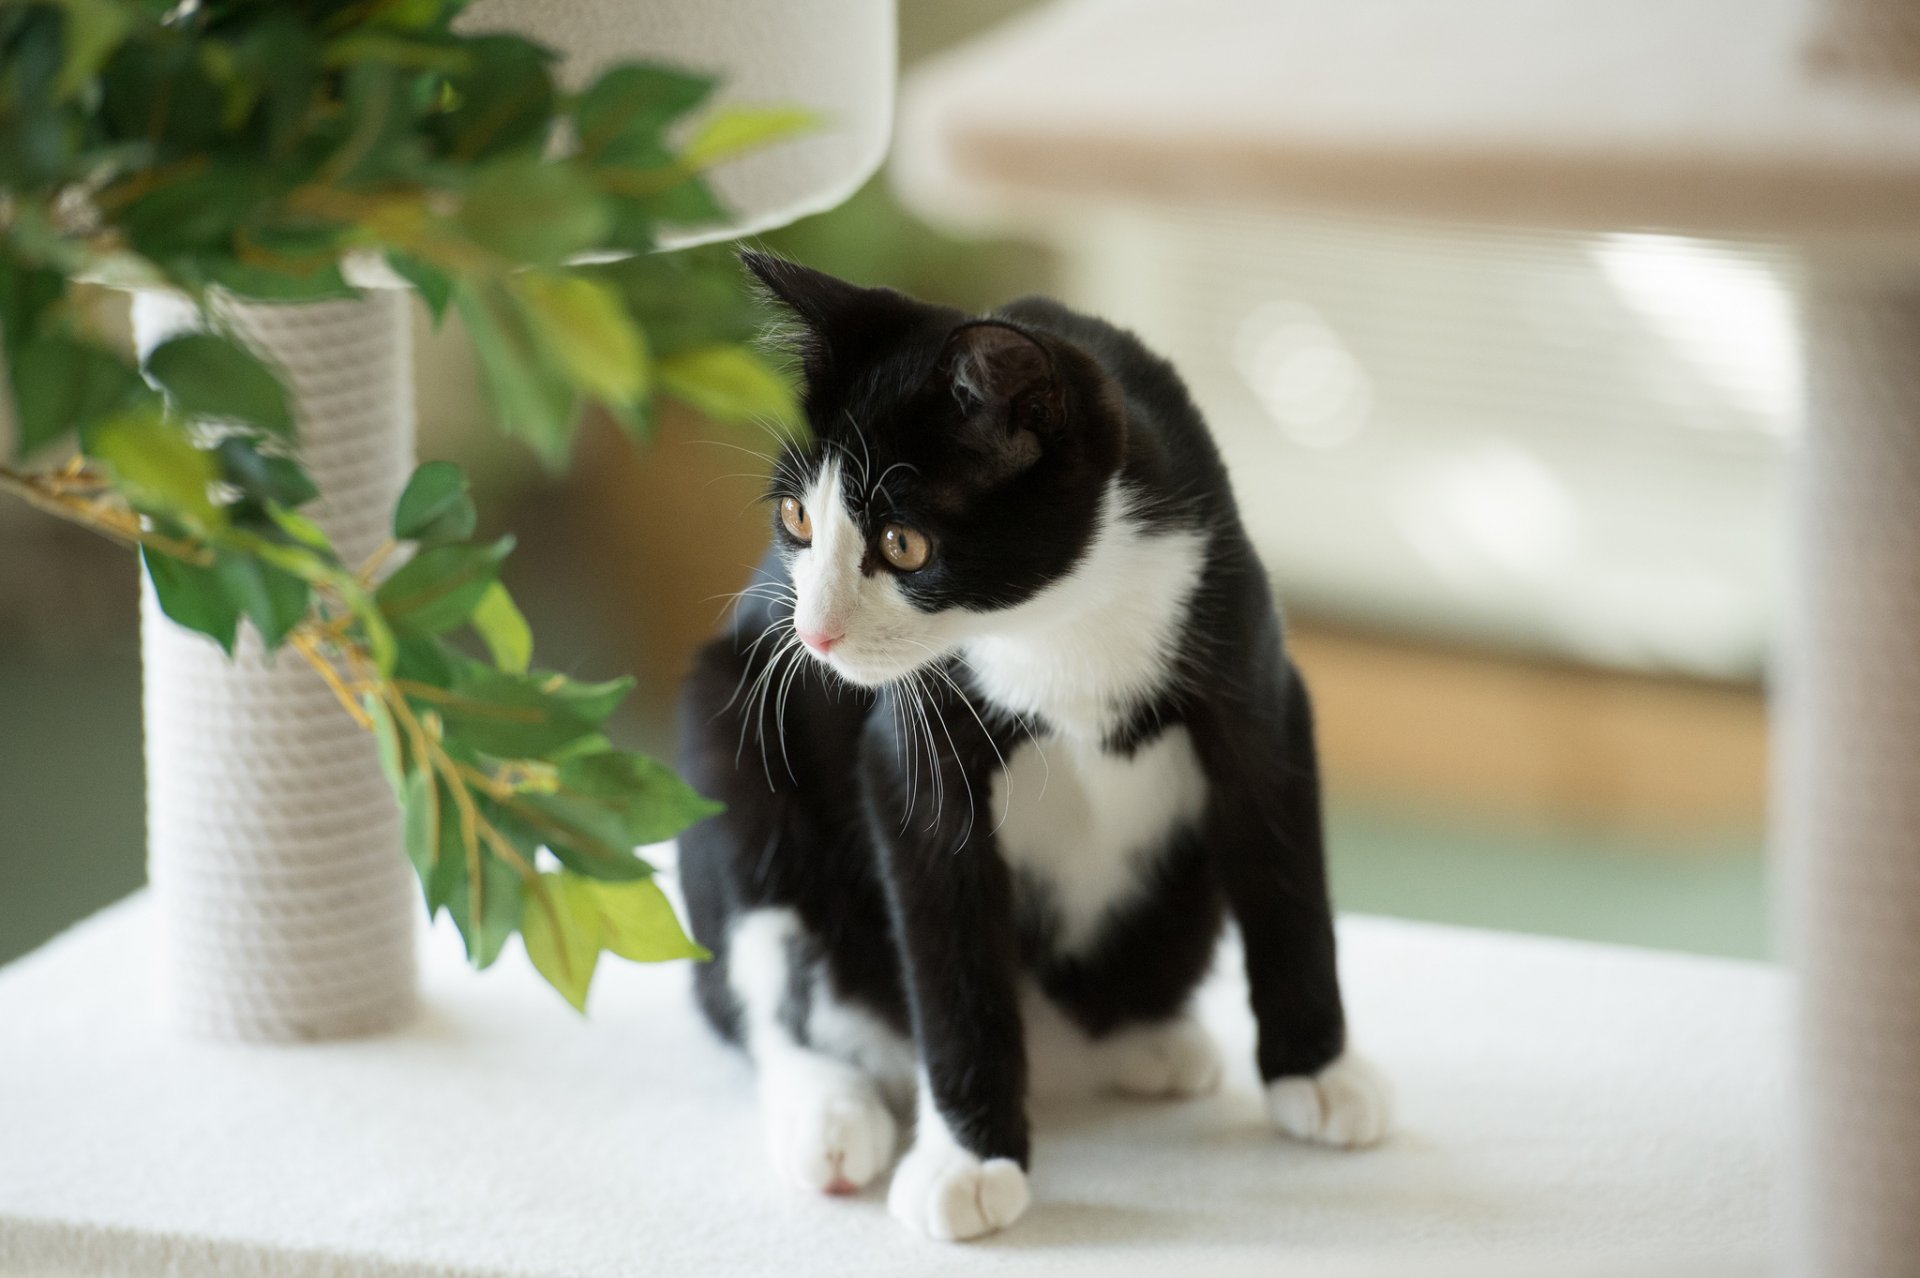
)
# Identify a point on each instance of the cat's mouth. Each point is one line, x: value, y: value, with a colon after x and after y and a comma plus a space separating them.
x: 857, y: 665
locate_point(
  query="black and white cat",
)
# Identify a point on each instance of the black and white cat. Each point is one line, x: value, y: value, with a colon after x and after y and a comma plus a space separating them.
x: 1005, y: 729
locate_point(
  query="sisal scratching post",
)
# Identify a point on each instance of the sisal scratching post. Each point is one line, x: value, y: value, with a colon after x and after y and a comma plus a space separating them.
x: 1847, y: 790
x: 281, y: 886
x: 1847, y: 783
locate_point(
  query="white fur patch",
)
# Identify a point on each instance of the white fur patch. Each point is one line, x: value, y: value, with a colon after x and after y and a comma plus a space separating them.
x: 948, y: 1193
x: 851, y: 1033
x: 1085, y: 651
x: 827, y: 1127
x: 1082, y: 822
x: 1173, y: 1058
x: 1081, y: 653
x: 882, y: 635
x: 1348, y: 1104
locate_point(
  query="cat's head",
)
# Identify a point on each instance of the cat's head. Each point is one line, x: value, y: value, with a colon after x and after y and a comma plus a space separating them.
x: 958, y: 467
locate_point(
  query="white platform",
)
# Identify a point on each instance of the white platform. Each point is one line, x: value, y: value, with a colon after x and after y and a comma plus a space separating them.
x: 1603, y: 1109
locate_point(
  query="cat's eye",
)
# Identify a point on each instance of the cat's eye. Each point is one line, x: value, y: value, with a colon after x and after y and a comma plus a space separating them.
x: 795, y: 517
x: 905, y: 548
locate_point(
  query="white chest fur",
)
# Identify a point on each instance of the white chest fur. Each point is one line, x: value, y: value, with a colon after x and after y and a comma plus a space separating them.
x: 1085, y: 825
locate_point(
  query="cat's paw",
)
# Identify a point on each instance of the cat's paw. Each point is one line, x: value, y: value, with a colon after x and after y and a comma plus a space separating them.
x: 949, y: 1194
x: 1348, y: 1104
x: 1173, y: 1058
x: 833, y: 1140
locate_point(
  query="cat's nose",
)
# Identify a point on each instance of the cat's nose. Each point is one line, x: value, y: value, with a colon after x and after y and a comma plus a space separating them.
x: 820, y: 640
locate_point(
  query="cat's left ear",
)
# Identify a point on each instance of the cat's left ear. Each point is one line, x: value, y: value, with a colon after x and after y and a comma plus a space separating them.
x: 1009, y: 390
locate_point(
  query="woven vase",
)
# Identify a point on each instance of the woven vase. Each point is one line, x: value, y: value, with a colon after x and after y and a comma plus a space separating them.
x: 274, y: 847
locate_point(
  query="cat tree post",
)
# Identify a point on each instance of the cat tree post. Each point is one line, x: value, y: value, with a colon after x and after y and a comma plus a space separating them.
x: 1789, y: 120
x: 1847, y: 769
x: 280, y: 884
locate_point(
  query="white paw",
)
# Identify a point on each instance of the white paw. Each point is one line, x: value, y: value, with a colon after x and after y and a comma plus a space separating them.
x: 832, y: 1140
x: 949, y: 1194
x: 1173, y: 1058
x: 1348, y: 1104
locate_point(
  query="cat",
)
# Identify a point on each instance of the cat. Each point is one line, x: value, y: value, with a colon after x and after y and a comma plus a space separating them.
x: 1006, y: 730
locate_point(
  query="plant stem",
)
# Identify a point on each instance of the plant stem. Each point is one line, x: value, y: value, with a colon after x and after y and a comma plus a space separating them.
x: 52, y: 493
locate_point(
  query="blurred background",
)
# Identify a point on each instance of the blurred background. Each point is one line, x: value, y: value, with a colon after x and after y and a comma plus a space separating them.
x: 1519, y: 493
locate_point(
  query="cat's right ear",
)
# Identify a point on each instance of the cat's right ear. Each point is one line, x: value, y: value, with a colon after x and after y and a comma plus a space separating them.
x: 818, y: 300
x: 840, y: 324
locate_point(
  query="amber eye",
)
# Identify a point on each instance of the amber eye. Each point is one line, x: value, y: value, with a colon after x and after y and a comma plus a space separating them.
x: 905, y: 548
x: 794, y: 516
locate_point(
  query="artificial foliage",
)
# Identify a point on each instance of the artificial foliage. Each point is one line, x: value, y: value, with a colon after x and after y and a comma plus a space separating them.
x: 275, y: 149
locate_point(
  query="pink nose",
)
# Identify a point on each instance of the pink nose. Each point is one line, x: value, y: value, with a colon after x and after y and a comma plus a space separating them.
x: 819, y: 640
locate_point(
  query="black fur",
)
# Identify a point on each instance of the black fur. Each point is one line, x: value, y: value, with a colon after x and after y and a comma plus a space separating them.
x: 920, y: 919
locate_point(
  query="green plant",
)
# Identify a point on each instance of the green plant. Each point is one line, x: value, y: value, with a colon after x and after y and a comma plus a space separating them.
x: 250, y: 147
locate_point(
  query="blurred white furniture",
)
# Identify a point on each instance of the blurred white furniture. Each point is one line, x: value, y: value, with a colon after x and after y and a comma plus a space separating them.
x: 1776, y: 118
x: 1565, y: 1109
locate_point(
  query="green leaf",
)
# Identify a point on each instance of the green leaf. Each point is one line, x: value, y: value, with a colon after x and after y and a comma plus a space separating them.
x: 588, y: 332
x: 637, y: 923
x: 630, y: 106
x: 503, y: 899
x: 728, y: 383
x: 686, y: 299
x: 274, y: 600
x: 194, y: 597
x: 313, y: 284
x: 504, y: 630
x: 440, y: 587
x: 594, y: 702
x: 27, y: 293
x: 156, y: 465
x: 434, y: 285
x: 533, y: 213
x: 433, y: 838
x: 653, y: 803
x: 301, y: 529
x: 387, y: 734
x: 588, y: 837
x: 531, y: 399
x: 564, y: 944
x: 264, y: 477
x: 508, y: 716
x: 735, y: 130
x: 60, y: 385
x: 505, y: 103
x: 436, y: 506
x: 94, y: 29
x: 689, y: 203
x: 424, y: 659
x: 209, y: 376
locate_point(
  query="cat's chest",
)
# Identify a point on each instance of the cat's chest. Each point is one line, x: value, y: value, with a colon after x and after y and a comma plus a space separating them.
x: 1082, y: 827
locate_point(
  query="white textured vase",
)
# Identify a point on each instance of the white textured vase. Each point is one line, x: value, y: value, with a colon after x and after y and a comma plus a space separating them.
x: 274, y: 846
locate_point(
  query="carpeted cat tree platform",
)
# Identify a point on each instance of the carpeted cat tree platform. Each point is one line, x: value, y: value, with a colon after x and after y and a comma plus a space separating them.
x: 1792, y: 121
x: 1565, y: 1108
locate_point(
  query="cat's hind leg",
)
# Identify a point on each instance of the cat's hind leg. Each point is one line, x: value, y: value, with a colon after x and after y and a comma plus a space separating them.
x: 1167, y: 1058
x: 828, y: 1128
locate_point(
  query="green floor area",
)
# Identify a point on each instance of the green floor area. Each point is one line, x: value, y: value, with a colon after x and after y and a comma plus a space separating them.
x: 72, y: 826
x: 70, y: 810
x: 1701, y: 893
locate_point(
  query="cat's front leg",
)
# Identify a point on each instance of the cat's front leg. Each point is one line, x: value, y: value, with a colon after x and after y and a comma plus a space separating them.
x: 952, y: 900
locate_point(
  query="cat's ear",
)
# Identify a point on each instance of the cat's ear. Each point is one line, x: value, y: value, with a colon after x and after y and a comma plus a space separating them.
x: 1009, y: 392
x: 840, y: 324
x: 820, y: 301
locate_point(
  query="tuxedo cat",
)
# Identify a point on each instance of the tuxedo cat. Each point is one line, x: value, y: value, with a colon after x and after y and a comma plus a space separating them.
x: 1005, y: 730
